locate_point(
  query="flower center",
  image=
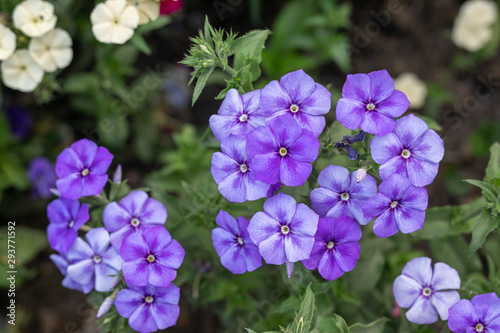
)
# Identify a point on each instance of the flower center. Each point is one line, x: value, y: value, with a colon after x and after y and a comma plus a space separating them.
x: 150, y: 258
x: 394, y: 204
x: 406, y: 153
x: 427, y: 291
x: 330, y: 245
x: 97, y: 259
x: 243, y: 118
x: 240, y: 241
x: 344, y: 196
x: 370, y: 106
x: 149, y: 299
x: 285, y: 230
x: 479, y: 327
x: 294, y: 108
x: 85, y: 172
x: 283, y: 151
x: 135, y: 222
x: 71, y: 223
x: 243, y: 168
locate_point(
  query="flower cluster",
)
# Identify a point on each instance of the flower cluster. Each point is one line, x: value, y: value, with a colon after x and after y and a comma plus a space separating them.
x: 49, y: 48
x: 133, y: 244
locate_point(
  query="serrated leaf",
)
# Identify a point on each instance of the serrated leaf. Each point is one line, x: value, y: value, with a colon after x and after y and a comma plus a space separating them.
x: 493, y: 168
x: 341, y: 324
x: 376, y: 326
x: 485, y: 224
x: 487, y: 189
x: 248, y: 51
x: 302, y: 322
x: 201, y: 82
x: 249, y: 41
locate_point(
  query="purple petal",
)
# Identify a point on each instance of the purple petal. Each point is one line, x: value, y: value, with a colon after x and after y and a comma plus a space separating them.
x: 117, y: 237
x: 160, y: 275
x: 350, y: 112
x: 328, y: 267
x: 395, y: 105
x: 306, y: 148
x: 377, y: 123
x: 98, y: 240
x: 461, y: 315
x: 172, y: 256
x: 133, y: 247
x: 317, y: 252
x: 261, y: 141
x: 227, y: 222
x: 420, y: 270
x: 86, y: 151
x: 323, y: 200
x: 60, y: 262
x: 142, y: 321
x: 253, y: 259
x: 232, y: 104
x: 134, y: 202
x: 70, y: 186
x: 344, y: 230
x: 421, y: 173
x: 251, y: 102
x: 60, y: 237
x: 347, y: 255
x: 409, y: 220
x: 93, y: 184
x: 298, y: 247
x: 222, y: 125
x: 394, y: 187
x: 165, y: 315
x: 487, y: 307
x: 274, y: 98
x: 272, y: 249
x: 136, y: 272
x: 68, y: 163
x: 289, y: 268
x: 233, y: 187
x: 82, y: 217
x: 299, y: 85
x: 82, y: 271
x: 255, y: 189
x: 410, y: 129
x: 376, y: 206
x: 233, y: 259
x: 314, y: 124
x: 158, y: 238
x: 381, y: 84
x: 168, y: 295
x: 396, y: 165
x: 422, y: 312
x: 235, y: 147
x: 79, y: 251
x: 286, y: 130
x: 335, y: 178
x: 102, y: 161
x: 363, y: 190
x: 430, y: 148
x: 383, y: 148
x: 104, y: 276
x: 444, y: 277
x: 443, y: 300
x: 385, y: 225
x: 223, y: 166
x: 406, y: 291
x: 293, y: 172
x: 304, y: 222
x: 112, y: 258
x: 318, y: 102
x: 127, y: 301
x: 357, y: 86
x: 115, y: 217
x: 153, y: 212
x: 57, y: 211
x: 266, y: 168
x: 281, y: 207
x: 262, y: 226
x: 356, y: 211
x: 415, y: 198
x: 222, y: 240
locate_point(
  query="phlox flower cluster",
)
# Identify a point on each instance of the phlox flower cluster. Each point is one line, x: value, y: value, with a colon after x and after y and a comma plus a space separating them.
x: 133, y: 244
x: 49, y: 48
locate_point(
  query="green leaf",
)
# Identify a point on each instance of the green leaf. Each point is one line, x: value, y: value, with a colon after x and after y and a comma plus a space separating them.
x: 493, y: 168
x: 374, y: 327
x: 200, y: 83
x: 249, y: 41
x: 140, y: 43
x: 485, y: 224
x: 248, y: 51
x: 341, y: 324
x: 302, y: 322
x: 433, y: 124
x: 156, y: 24
x: 487, y: 189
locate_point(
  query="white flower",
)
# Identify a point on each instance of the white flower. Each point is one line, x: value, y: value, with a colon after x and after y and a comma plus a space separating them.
x: 114, y: 21
x: 7, y: 42
x: 414, y: 89
x: 473, y: 26
x: 149, y: 10
x: 21, y: 72
x: 34, y: 17
x: 52, y: 50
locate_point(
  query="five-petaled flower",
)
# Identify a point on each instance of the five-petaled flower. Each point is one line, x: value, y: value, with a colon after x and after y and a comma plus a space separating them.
x: 481, y: 315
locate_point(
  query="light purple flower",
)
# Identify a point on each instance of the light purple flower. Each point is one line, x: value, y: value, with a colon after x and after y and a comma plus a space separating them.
x: 426, y: 292
x: 481, y: 314
x: 94, y: 262
x: 62, y: 262
x: 149, y: 308
x: 238, y: 115
x: 371, y: 101
x: 232, y: 242
x: 151, y: 256
x: 282, y: 151
x: 285, y: 231
x: 82, y: 169
x: 398, y: 206
x: 298, y: 95
x: 134, y: 212
x: 233, y: 172
x: 42, y: 176
x: 66, y: 217
x: 341, y: 195
x: 336, y: 247
x: 412, y: 150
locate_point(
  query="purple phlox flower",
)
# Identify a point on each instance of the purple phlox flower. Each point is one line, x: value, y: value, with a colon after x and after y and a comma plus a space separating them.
x: 481, y: 314
x: 238, y: 115
x: 42, y: 176
x: 62, y: 262
x: 298, y: 95
x: 426, y: 292
x: 66, y: 217
x: 412, y: 150
x: 151, y: 256
x: 398, y: 206
x: 336, y: 247
x: 82, y: 169
x: 232, y: 242
x: 371, y: 101
x: 95, y: 261
x: 282, y: 151
x: 149, y: 308
x: 233, y: 172
x: 273, y: 188
x: 340, y: 194
x: 134, y: 212
x: 346, y: 144
x: 284, y: 232
x: 19, y: 121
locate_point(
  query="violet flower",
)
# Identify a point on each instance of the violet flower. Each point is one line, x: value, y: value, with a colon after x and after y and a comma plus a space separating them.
x: 285, y: 231
x: 238, y: 115
x: 412, y: 150
x: 346, y: 143
x: 336, y: 247
x: 232, y: 242
x: 371, y: 101
x: 282, y: 151
x: 134, y: 212
x: 62, y: 262
x: 151, y: 256
x: 233, y: 172
x: 481, y: 314
x: 398, y: 206
x: 19, y: 121
x: 298, y: 95
x: 82, y: 169
x: 149, y: 308
x: 426, y: 292
x: 341, y: 195
x: 66, y: 217
x: 42, y: 175
x: 94, y: 262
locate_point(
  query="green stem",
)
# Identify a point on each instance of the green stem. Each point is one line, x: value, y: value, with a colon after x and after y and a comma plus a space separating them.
x: 230, y: 70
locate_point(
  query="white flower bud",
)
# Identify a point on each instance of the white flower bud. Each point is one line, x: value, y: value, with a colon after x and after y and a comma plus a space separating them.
x: 360, y: 175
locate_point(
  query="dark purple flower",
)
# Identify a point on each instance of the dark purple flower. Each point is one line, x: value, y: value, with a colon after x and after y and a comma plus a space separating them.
x: 341, y: 195
x: 238, y: 115
x: 135, y: 212
x: 481, y: 314
x: 398, y: 206
x: 336, y: 247
x: 82, y: 169
x: 151, y: 256
x: 412, y: 150
x: 19, y: 121
x: 346, y: 144
x: 298, y: 95
x: 149, y: 308
x: 42, y: 176
x: 232, y: 242
x: 66, y: 217
x: 427, y: 293
x: 371, y: 101
x: 282, y: 151
x: 233, y: 172
x: 94, y: 262
x: 62, y: 263
x: 284, y: 232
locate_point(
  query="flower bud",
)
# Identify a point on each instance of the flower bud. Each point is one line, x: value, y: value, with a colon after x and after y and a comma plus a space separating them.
x: 105, y: 306
x: 117, y: 176
x: 360, y: 175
